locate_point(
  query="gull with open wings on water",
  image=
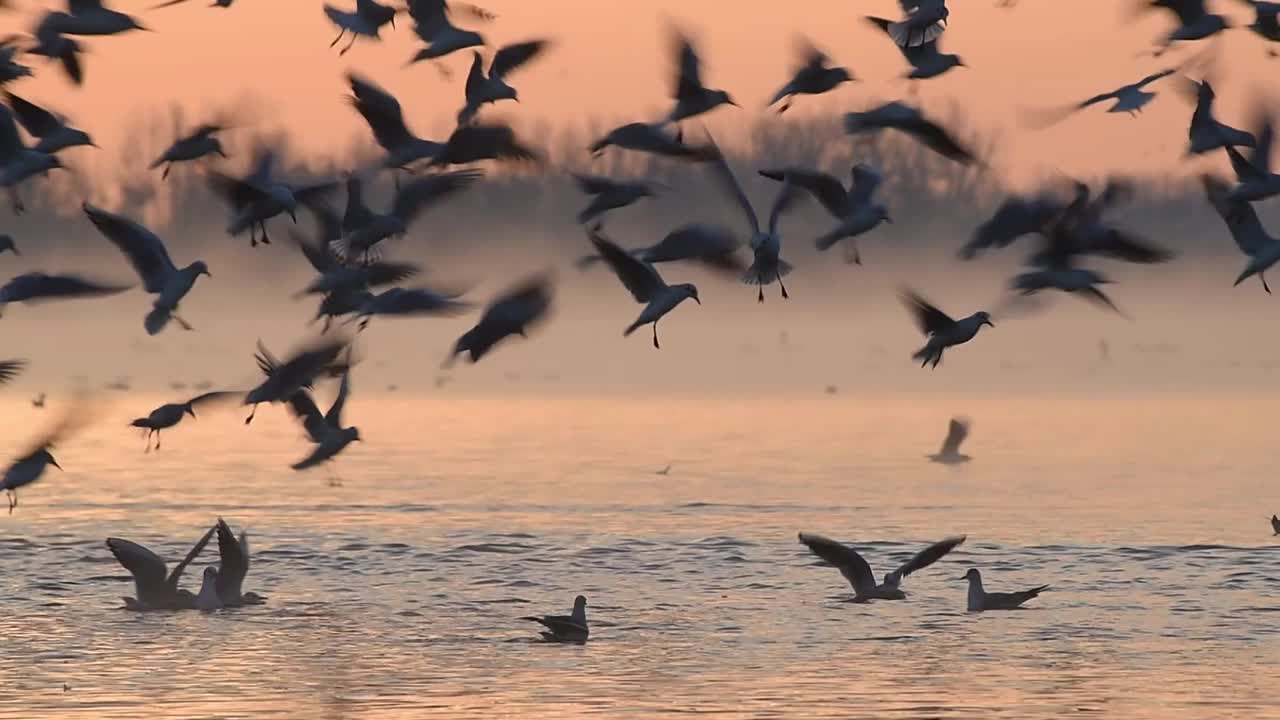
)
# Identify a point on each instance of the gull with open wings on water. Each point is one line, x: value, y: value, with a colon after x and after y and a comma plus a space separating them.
x: 233, y: 566
x: 154, y: 584
x: 857, y: 571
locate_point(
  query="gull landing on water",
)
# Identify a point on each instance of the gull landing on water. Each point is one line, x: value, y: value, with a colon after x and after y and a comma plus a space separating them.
x: 950, y: 453
x: 155, y: 586
x: 981, y: 600
x: 942, y: 332
x: 858, y: 572
x: 566, y: 628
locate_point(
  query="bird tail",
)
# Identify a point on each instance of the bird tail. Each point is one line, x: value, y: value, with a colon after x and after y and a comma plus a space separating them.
x: 632, y: 328
x: 156, y: 320
x: 755, y: 275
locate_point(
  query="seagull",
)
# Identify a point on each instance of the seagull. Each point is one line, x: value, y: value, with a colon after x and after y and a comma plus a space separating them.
x: 512, y: 313
x: 1017, y: 216
x: 1262, y: 249
x: 200, y: 143
x: 10, y: 69
x: 483, y: 89
x: 337, y: 274
x: 326, y: 431
x: 39, y: 287
x: 258, y: 197
x: 925, y: 22
x: 691, y: 96
x: 1266, y: 22
x: 399, y: 301
x: 566, y: 628
x: 1194, y: 22
x: 10, y: 369
x: 156, y: 587
x: 216, y: 3
x: 367, y: 20
x: 905, y: 118
x: 950, y: 453
x: 853, y: 208
x: 207, y: 598
x: 1257, y: 180
x: 7, y: 243
x: 1124, y: 99
x: 432, y: 26
x: 766, y: 246
x: 653, y: 139
x: 32, y: 463
x: 925, y: 59
x: 942, y: 332
x: 476, y: 142
x: 1275, y: 524
x: 232, y: 568
x: 713, y: 246
x: 170, y: 414
x: 610, y: 194
x: 297, y: 372
x: 88, y: 17
x: 980, y: 600
x: 52, y: 129
x: 51, y: 43
x: 382, y: 112
x: 813, y: 76
x: 664, y: 471
x: 17, y: 161
x: 146, y: 252
x: 410, y: 201
x: 644, y: 283
x: 858, y: 572
x: 1206, y: 133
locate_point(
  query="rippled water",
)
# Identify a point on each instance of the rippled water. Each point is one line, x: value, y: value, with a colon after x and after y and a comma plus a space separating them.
x: 399, y: 593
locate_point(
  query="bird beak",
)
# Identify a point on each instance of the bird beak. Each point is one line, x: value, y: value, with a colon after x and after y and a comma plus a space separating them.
x: 206, y: 272
x: 734, y: 104
x: 54, y: 463
x: 888, y: 219
x: 988, y: 322
x: 293, y: 216
x: 697, y: 301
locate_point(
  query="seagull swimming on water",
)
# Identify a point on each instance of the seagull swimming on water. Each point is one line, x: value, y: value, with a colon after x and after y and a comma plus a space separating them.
x: 942, y: 332
x: 484, y: 89
x: 981, y: 600
x: 858, y: 572
x: 146, y: 252
x: 170, y: 414
x: 512, y: 313
x: 566, y: 628
x: 950, y: 453
x: 644, y: 283
x: 50, y: 128
x: 814, y: 75
x: 155, y: 586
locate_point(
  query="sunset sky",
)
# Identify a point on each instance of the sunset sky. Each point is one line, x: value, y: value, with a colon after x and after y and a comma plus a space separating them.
x: 610, y: 63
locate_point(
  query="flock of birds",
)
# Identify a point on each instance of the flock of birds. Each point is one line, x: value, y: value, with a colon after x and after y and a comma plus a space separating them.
x: 347, y: 250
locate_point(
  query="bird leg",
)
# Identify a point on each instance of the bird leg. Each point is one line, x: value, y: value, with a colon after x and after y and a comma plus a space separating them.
x: 252, y: 412
x: 784, y: 288
x: 148, y: 447
x: 1263, y: 278
x: 13, y: 500
x: 183, y: 323
x: 165, y: 175
x: 760, y: 293
x: 341, y: 32
x: 655, y: 337
x: 785, y: 107
x: 157, y: 441
x: 348, y: 47
x: 253, y: 235
x: 262, y: 226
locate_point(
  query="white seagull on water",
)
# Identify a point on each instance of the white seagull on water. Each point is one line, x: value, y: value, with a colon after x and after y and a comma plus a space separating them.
x: 950, y: 453
x: 233, y: 566
x: 981, y: 600
x: 644, y: 283
x: 155, y: 586
x: 146, y: 252
x: 942, y: 332
x: 858, y: 572
x: 566, y: 628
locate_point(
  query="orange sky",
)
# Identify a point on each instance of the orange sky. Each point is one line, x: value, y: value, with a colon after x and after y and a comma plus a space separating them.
x: 612, y: 64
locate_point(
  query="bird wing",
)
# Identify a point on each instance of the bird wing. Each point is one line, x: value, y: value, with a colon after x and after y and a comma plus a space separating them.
x: 724, y: 177
x: 267, y: 362
x: 913, y: 53
x: 559, y: 624
x: 1188, y: 11
x: 304, y: 408
x: 927, y: 556
x: 519, y: 306
x: 1260, y: 158
x: 79, y: 414
x: 214, y: 397
x: 149, y: 572
x: 512, y: 57
x: 35, y: 119
x: 844, y: 558
x: 639, y: 277
x: 1053, y: 116
x: 930, y: 319
x: 937, y: 139
x: 388, y: 273
x: 473, y: 90
x: 957, y: 431
x: 317, y: 254
x: 234, y: 563
x: 10, y: 141
x: 826, y: 189
x: 142, y: 248
x: 788, y: 196
x: 236, y: 192
x: 9, y: 369
x: 696, y: 241
x: 866, y: 180
x: 380, y: 110
x: 689, y: 73
x: 57, y: 287
x: 1124, y: 245
x: 334, y: 416
x: 1154, y: 77
x: 429, y: 18
x: 419, y: 194
x: 1241, y: 219
x: 176, y: 574
x: 594, y: 184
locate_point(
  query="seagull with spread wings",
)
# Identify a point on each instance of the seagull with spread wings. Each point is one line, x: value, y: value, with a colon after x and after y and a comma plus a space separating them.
x: 857, y: 571
x: 36, y: 287
x: 50, y: 128
x: 365, y: 21
x: 31, y: 465
x: 233, y: 566
x: 19, y: 162
x: 852, y: 208
x: 325, y: 431
x: 814, y: 75
x: 926, y: 59
x: 644, y: 283
x: 482, y: 89
x: 411, y: 200
x: 691, y: 96
x: 610, y: 194
x: 1259, y: 246
x: 200, y: 143
x: 382, y: 112
x: 942, y: 331
x: 1129, y: 99
x: 433, y: 26
x: 154, y: 584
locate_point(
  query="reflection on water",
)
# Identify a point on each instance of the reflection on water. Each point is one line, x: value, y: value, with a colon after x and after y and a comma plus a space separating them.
x: 399, y: 593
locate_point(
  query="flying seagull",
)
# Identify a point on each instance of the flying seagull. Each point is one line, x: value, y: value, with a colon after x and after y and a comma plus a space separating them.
x: 1129, y: 99
x: 980, y: 599
x: 950, y: 453
x: 484, y: 89
x: 715, y: 247
x: 433, y: 26
x: 654, y: 139
x: 325, y: 431
x: 51, y: 129
x: 691, y: 96
x: 51, y: 43
x: 925, y: 22
x: 1194, y: 21
x: 610, y: 194
x: 200, y: 143
x: 407, y: 302
x: 1259, y: 246
x: 1257, y: 180
x: 410, y: 200
x: 382, y: 112
x: 814, y: 75
x: 1266, y: 23
x: 852, y: 208
x: 512, y: 313
x: 19, y: 162
x: 297, y: 372
x: 365, y: 21
x: 942, y: 332
x: 146, y: 252
x: 926, y: 60
x: 11, y: 69
x: 170, y: 414
x: 259, y: 196
x: 483, y: 141
x: 905, y: 118
x: 88, y: 17
x: 1205, y: 132
x: 566, y: 628
x: 858, y: 572
x: 32, y: 463
x: 155, y: 586
x: 644, y: 283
